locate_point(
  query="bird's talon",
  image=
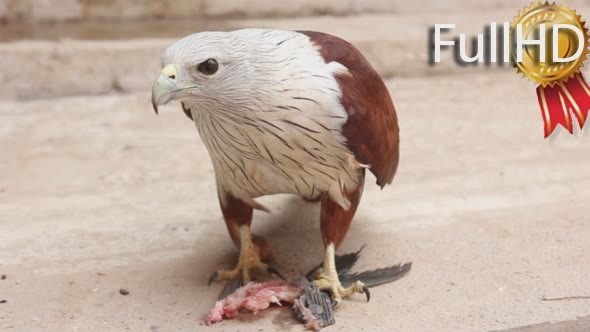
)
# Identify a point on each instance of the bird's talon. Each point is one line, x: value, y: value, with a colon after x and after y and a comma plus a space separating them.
x: 213, y: 277
x: 336, y: 303
x: 367, y: 293
x: 272, y: 270
x: 249, y: 266
x: 329, y: 281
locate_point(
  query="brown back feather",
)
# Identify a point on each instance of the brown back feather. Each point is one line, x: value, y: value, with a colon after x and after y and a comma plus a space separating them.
x: 371, y: 130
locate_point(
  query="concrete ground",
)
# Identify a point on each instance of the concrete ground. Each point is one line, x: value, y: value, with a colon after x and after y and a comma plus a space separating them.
x: 98, y: 194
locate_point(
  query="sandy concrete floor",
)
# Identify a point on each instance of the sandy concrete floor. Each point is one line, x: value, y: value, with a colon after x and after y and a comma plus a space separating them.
x: 98, y: 194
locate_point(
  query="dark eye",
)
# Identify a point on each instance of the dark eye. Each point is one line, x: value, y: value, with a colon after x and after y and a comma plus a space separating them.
x: 208, y: 67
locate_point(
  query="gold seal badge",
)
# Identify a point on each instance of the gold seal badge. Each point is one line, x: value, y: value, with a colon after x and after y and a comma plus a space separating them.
x: 549, y: 72
x: 551, y: 46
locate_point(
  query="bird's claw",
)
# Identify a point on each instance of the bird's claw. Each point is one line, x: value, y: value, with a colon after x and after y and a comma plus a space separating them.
x: 213, y: 277
x: 244, y: 271
x: 367, y: 293
x: 272, y: 270
x: 338, y: 292
x: 335, y: 302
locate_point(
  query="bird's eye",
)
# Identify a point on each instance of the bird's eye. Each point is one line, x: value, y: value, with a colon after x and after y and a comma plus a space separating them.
x: 208, y: 67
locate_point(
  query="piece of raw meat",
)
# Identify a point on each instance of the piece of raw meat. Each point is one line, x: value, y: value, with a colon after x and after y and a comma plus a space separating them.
x: 254, y: 297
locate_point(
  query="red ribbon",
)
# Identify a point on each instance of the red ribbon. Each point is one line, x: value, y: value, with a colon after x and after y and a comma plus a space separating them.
x: 559, y: 101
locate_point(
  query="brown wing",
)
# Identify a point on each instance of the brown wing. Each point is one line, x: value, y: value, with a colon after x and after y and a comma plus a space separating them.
x: 371, y: 130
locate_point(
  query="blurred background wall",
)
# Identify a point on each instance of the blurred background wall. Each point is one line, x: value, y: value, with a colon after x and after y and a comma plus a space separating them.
x: 72, y: 10
x: 57, y: 48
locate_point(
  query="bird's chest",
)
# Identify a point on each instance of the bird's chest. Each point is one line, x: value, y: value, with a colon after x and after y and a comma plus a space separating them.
x: 263, y: 156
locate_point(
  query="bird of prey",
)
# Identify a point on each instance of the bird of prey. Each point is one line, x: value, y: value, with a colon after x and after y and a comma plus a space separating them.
x: 296, y: 112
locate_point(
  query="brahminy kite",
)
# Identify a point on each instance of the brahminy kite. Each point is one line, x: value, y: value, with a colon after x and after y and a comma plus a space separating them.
x: 294, y: 112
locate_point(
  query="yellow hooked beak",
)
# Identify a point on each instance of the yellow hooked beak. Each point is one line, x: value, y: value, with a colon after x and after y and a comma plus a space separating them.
x: 165, y: 86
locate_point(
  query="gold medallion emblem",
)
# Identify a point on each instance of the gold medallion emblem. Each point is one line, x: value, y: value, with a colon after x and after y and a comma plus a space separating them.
x: 549, y: 72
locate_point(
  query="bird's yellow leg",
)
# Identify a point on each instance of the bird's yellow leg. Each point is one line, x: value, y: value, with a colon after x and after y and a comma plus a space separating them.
x: 249, y: 262
x: 328, y: 280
